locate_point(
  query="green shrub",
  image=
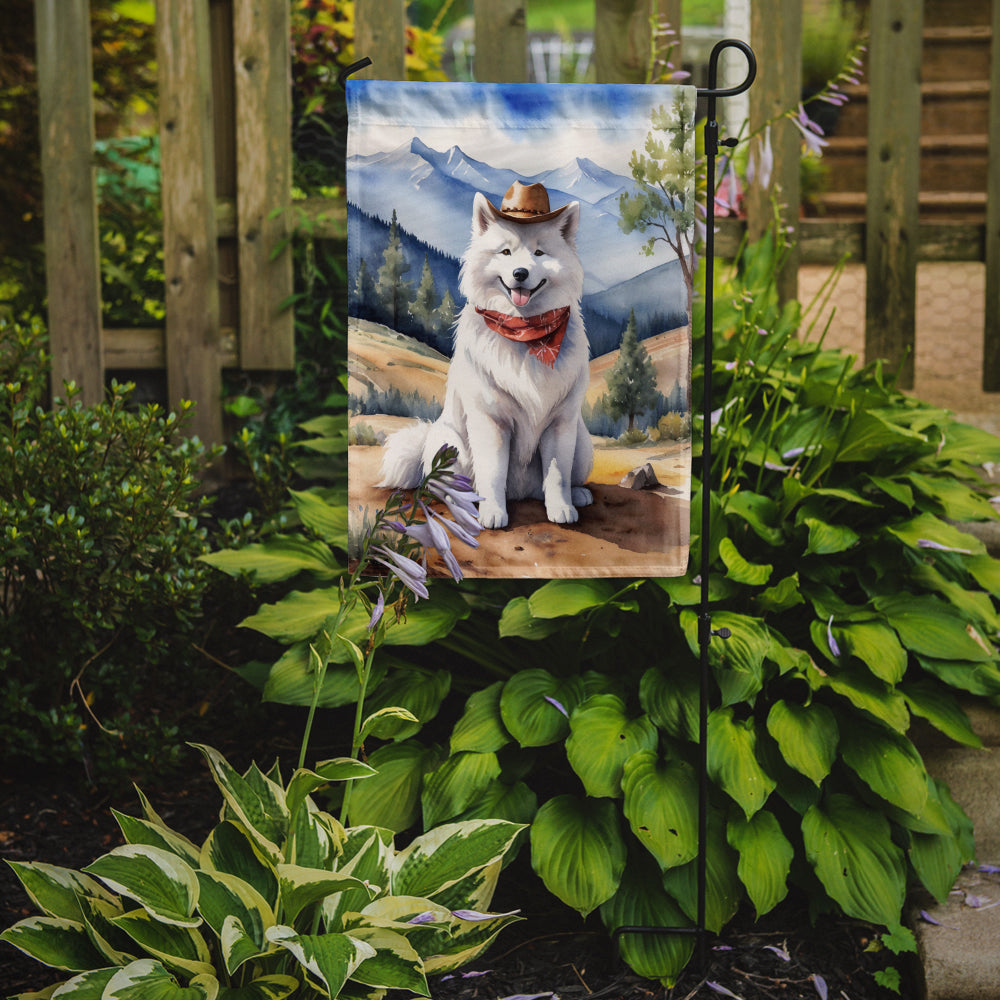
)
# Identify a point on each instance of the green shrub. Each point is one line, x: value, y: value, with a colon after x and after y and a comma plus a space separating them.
x: 279, y: 900
x: 99, y: 546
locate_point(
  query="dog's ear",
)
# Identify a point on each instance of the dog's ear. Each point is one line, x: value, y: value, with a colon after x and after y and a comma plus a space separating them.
x: 569, y: 222
x: 481, y: 215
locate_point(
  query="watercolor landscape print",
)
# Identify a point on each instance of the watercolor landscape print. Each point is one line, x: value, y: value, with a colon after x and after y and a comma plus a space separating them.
x: 435, y: 173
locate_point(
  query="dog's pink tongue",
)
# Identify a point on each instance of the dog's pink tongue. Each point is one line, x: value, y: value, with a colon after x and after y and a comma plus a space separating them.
x: 519, y: 296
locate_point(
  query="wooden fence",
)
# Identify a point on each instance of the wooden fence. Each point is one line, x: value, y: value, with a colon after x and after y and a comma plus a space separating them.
x: 226, y: 161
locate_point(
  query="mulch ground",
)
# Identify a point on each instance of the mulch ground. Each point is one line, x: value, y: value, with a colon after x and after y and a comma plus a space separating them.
x: 551, y: 952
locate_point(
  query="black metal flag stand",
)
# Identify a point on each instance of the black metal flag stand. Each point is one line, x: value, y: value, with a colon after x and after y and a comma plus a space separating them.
x: 705, y: 631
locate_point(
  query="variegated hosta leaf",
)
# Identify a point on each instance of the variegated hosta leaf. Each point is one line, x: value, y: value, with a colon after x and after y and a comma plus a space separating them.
x: 86, y: 986
x: 300, y: 887
x: 315, y: 838
x: 147, y: 979
x: 661, y: 805
x: 395, y: 964
x: 481, y: 727
x: 304, y: 782
x: 177, y: 947
x: 888, y: 763
x: 230, y: 849
x: 765, y: 858
x: 441, y: 857
x: 56, y: 891
x: 467, y: 941
x: 642, y: 902
x: 850, y: 847
x: 602, y: 737
x: 329, y: 959
x: 476, y: 890
x: 116, y: 947
x: 456, y: 784
x: 732, y: 760
x: 225, y: 897
x: 158, y: 880
x: 807, y: 736
x: 256, y: 801
x: 141, y: 831
x: 274, y: 987
x: 54, y: 941
x: 367, y: 853
x: 535, y: 706
x: 578, y: 851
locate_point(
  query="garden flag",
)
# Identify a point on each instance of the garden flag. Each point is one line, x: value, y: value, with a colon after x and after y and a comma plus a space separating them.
x: 520, y: 273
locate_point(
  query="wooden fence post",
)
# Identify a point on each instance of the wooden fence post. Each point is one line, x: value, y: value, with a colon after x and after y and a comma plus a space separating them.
x: 261, y: 57
x: 892, y: 215
x: 501, y: 41
x: 190, y: 251
x: 991, y: 331
x: 380, y: 34
x: 623, y: 37
x: 776, y: 35
x: 72, y: 255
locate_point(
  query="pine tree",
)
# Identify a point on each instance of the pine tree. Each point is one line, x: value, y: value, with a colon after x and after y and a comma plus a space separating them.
x: 632, y: 380
x: 363, y: 291
x: 425, y: 302
x: 444, y: 316
x: 394, y: 293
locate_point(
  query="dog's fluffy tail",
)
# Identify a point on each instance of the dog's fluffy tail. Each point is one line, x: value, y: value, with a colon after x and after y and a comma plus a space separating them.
x: 403, y: 461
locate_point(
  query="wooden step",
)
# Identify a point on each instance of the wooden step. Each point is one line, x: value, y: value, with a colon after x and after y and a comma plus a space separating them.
x: 956, y: 53
x: 958, y: 206
x: 945, y: 12
x: 947, y: 163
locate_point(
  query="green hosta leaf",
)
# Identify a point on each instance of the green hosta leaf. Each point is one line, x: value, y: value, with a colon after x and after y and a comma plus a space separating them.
x: 850, y: 847
x: 866, y: 692
x: 783, y: 595
x: 528, y: 710
x: 456, y: 784
x: 159, y: 881
x: 481, y: 728
x: 738, y: 569
x: 671, y: 700
x: 937, y: 858
x: 965, y: 443
x: 723, y: 889
x: 928, y: 528
x: 738, y: 661
x: 941, y: 709
x: 869, y: 436
x: 888, y: 763
x: 54, y: 941
x: 438, y: 859
x: 230, y: 849
x: 976, y: 678
x: 559, y: 598
x: 304, y: 782
x: 931, y: 628
x: 957, y: 501
x: 260, y: 809
x: 641, y: 901
x: 986, y: 571
x: 328, y: 520
x: 275, y: 987
x: 330, y: 959
x: 828, y: 539
x: 684, y: 593
x: 893, y: 488
x: 301, y: 887
x: 732, y: 760
x: 517, y: 620
x: 141, y: 831
x: 578, y: 851
x: 292, y: 681
x: 876, y: 646
x: 391, y: 798
x: 225, y: 897
x: 807, y: 736
x: 602, y: 738
x: 765, y: 858
x: 56, y: 891
x: 180, y: 948
x: 386, y: 723
x: 758, y: 511
x: 279, y: 558
x: 661, y: 798
x: 516, y: 803
x: 147, y: 979
x: 417, y: 690
x: 975, y: 605
x: 395, y: 964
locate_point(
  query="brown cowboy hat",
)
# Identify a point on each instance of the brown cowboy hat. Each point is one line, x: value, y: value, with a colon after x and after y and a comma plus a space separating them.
x: 525, y: 203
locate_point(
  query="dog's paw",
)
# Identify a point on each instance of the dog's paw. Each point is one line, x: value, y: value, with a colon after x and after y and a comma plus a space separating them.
x: 560, y: 513
x: 492, y: 515
x: 581, y: 497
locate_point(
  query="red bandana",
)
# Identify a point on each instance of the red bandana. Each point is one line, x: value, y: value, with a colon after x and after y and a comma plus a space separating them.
x: 545, y: 331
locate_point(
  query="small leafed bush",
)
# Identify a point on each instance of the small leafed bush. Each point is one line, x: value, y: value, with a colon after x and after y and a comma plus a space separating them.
x: 99, y: 574
x: 280, y: 899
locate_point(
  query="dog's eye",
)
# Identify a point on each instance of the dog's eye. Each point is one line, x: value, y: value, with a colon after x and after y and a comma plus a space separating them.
x: 505, y: 252
x: 539, y: 253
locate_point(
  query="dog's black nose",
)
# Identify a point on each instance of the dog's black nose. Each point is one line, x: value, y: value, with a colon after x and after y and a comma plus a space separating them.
x: 520, y: 273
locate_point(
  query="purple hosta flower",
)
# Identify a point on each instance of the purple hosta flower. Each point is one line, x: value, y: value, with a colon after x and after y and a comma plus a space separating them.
x: 427, y: 917
x: 410, y: 573
x: 377, y: 611
x: 927, y: 918
x: 989, y: 869
x: 465, y: 975
x: 760, y: 164
x: 820, y: 984
x: 719, y: 988
x: 531, y: 996
x: 780, y: 952
x: 727, y: 198
x: 475, y: 915
x: 558, y: 705
x: 928, y: 543
x: 834, y: 648
x: 811, y: 132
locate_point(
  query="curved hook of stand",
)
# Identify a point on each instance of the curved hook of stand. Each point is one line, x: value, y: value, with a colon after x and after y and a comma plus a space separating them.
x: 713, y: 69
x: 353, y: 68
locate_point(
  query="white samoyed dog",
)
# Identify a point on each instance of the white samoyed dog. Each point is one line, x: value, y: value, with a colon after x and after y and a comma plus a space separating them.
x: 519, y: 370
